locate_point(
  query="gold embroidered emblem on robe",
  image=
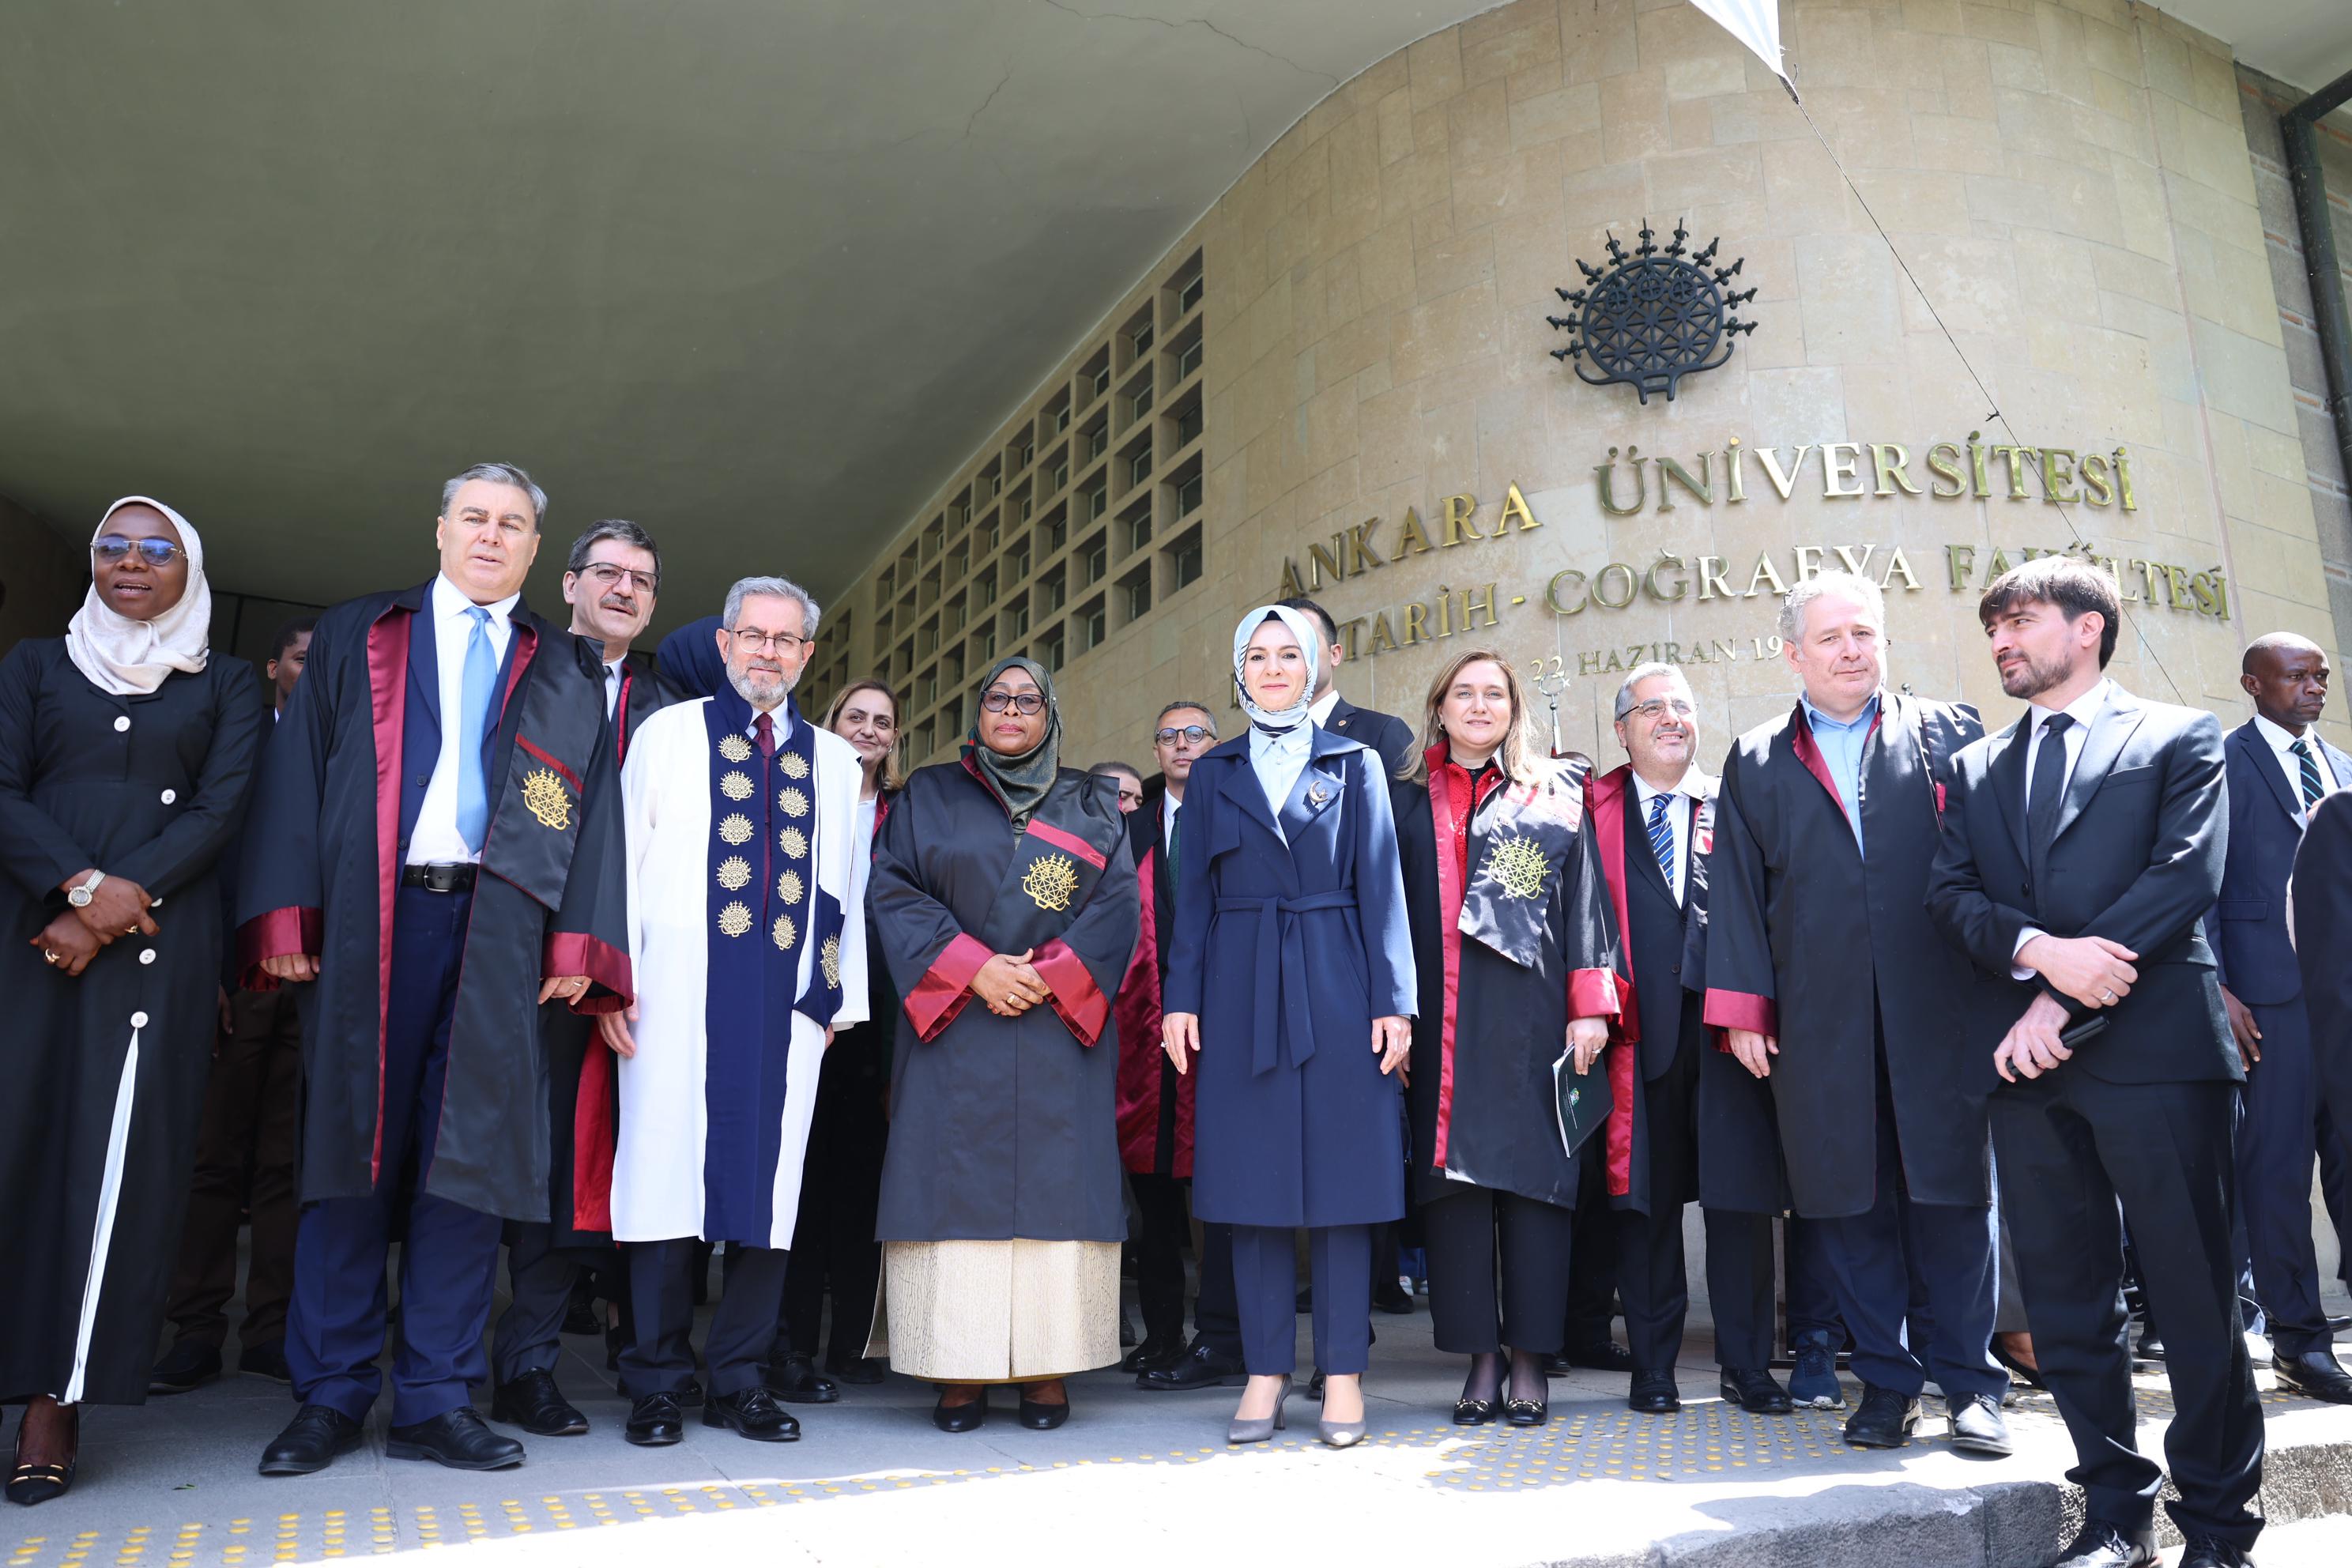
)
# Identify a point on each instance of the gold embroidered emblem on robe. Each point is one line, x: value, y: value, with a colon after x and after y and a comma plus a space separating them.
x: 542, y: 792
x: 794, y: 843
x: 795, y: 766
x: 735, y: 748
x: 1518, y: 865
x: 733, y: 872
x: 1051, y: 881
x: 829, y: 956
x: 788, y: 888
x: 735, y: 786
x: 785, y: 932
x: 736, y: 828
x: 792, y: 802
x: 735, y: 918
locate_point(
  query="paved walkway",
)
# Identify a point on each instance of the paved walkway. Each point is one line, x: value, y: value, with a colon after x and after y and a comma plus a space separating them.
x: 1144, y: 1478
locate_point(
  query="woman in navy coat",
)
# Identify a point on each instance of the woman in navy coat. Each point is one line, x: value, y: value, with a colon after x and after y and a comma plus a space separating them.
x: 1288, y: 893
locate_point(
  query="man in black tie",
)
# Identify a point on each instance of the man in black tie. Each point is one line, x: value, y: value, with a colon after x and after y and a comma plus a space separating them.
x: 610, y: 579
x: 2080, y: 848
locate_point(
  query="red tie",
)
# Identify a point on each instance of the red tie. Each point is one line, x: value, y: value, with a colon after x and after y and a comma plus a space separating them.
x: 766, y: 732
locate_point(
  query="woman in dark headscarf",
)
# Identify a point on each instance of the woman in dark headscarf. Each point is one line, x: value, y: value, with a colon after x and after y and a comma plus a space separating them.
x: 124, y: 750
x: 1004, y: 879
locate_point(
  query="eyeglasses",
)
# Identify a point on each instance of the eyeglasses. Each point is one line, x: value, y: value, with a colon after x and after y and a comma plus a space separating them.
x: 1193, y: 733
x: 113, y: 548
x: 761, y: 642
x: 604, y: 575
x: 1027, y: 702
x: 1657, y: 706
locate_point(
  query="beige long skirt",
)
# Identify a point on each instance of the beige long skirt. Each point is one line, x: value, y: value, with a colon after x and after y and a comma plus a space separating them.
x: 997, y: 1311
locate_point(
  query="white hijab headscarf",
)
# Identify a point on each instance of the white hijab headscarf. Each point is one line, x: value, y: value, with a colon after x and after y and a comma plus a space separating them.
x: 123, y: 657
x: 1302, y: 627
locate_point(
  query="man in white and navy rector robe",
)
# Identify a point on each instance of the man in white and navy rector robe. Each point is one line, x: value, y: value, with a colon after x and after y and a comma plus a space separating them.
x: 742, y: 816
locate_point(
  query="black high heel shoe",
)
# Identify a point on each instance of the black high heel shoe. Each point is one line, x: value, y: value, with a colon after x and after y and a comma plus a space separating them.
x: 965, y: 1417
x: 1526, y: 1411
x: 1040, y: 1417
x: 1473, y: 1412
x: 30, y: 1484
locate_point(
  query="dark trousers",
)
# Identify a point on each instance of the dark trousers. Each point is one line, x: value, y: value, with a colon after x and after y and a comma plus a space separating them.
x: 1812, y: 1285
x: 1465, y: 1234
x: 539, y: 1276
x: 449, y: 1253
x: 833, y: 1238
x: 660, y: 1356
x: 1266, y: 1282
x: 253, y: 1112
x: 1953, y: 1252
x: 1592, y: 1281
x: 1164, y: 1206
x: 2277, y: 1142
x: 1216, y: 1308
x: 1654, y: 1283
x: 2070, y: 1145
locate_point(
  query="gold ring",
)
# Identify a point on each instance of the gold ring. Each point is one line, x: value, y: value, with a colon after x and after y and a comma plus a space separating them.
x: 50, y: 953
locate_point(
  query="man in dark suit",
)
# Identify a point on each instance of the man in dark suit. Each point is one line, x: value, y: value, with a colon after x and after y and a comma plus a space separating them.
x: 1155, y: 1102
x: 2319, y: 918
x: 1702, y: 1126
x: 1386, y: 734
x: 2278, y: 769
x: 611, y: 580
x: 244, y: 1148
x: 2080, y: 851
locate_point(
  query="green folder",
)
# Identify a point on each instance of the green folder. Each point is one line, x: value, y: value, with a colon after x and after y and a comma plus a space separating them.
x: 1580, y: 1103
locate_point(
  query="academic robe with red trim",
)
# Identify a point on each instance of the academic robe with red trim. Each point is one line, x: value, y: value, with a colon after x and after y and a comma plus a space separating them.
x: 1003, y: 1128
x: 1155, y: 1101
x: 583, y: 1098
x: 551, y: 897
x: 1481, y: 1100
x: 1812, y: 943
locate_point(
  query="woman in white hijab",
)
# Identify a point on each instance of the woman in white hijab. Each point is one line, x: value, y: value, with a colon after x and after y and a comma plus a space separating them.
x: 1289, y: 891
x: 124, y: 750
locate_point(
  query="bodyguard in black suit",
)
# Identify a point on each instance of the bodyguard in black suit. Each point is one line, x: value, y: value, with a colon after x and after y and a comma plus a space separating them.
x: 1386, y: 734
x: 2080, y: 850
x: 2278, y: 769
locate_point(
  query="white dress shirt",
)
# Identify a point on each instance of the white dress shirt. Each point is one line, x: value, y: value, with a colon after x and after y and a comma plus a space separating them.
x: 1322, y: 708
x: 435, y: 840
x: 1278, y: 757
x: 2276, y: 737
x: 2083, y: 710
x: 612, y: 685
x: 1169, y: 806
x: 1683, y: 804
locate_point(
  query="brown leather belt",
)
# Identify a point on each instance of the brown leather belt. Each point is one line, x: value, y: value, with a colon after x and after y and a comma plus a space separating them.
x: 453, y: 877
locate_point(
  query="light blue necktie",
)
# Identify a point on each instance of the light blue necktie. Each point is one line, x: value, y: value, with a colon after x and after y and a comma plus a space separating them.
x: 1661, y: 835
x: 474, y: 702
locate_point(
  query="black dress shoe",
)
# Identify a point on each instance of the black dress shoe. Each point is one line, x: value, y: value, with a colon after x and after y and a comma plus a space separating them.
x: 863, y: 1370
x: 1977, y: 1425
x: 265, y: 1361
x: 1200, y: 1367
x: 186, y: 1366
x: 1152, y: 1352
x: 2104, y: 1545
x: 2204, y: 1552
x: 965, y: 1417
x: 534, y: 1402
x: 1042, y: 1418
x: 1606, y: 1355
x: 455, y: 1439
x: 1754, y: 1390
x: 690, y: 1397
x: 1473, y: 1412
x: 795, y: 1380
x: 754, y: 1413
x: 2314, y: 1374
x: 311, y: 1442
x: 1883, y: 1420
x: 2148, y: 1353
x: 1389, y: 1297
x: 654, y: 1422
x: 1655, y: 1393
x: 1528, y: 1412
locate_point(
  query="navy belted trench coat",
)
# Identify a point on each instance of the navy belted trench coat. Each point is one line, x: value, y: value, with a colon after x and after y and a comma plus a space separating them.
x: 1288, y: 941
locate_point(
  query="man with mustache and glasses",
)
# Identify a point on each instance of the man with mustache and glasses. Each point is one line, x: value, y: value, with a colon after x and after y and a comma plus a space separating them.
x: 749, y: 927
x: 1830, y: 984
x: 610, y: 579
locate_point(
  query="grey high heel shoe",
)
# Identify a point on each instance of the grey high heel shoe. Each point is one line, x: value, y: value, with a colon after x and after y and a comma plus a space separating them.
x: 1264, y: 1427
x: 1341, y: 1434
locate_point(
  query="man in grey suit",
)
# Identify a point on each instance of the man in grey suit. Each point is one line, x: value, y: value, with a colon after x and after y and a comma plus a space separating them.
x: 2077, y: 860
x: 2279, y: 769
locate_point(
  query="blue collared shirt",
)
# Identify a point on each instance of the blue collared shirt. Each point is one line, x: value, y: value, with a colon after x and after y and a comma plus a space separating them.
x: 1841, y: 745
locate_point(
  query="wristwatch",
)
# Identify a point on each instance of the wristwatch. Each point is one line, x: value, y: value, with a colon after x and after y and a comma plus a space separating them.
x: 79, y: 897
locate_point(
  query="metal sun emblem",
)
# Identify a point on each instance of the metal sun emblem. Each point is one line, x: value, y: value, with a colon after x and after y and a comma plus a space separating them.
x: 1652, y: 316
x: 1518, y: 865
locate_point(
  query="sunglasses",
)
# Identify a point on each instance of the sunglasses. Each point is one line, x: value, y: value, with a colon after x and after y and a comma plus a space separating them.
x: 1193, y: 734
x: 113, y: 548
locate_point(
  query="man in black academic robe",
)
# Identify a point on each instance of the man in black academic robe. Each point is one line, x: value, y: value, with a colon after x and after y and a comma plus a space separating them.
x: 406, y: 848
x: 1830, y: 983
x: 1701, y: 1127
x: 2081, y: 849
x: 611, y: 580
